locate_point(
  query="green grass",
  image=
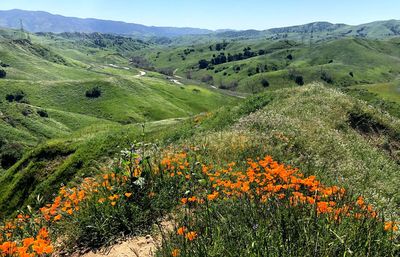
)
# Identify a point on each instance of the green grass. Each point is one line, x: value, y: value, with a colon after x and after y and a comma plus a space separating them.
x: 313, y: 128
x: 54, y: 74
x: 370, y: 61
x: 387, y: 91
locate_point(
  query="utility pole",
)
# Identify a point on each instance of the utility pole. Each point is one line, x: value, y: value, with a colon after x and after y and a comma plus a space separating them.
x: 23, y: 36
x: 311, y: 34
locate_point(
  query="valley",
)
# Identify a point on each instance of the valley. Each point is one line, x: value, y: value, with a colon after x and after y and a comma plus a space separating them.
x: 282, y: 140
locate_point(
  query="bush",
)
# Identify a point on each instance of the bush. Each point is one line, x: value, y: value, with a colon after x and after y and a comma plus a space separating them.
x: 325, y: 76
x: 203, y: 64
x: 295, y: 76
x: 10, y: 154
x: 166, y: 71
x: 208, y: 79
x: 299, y: 80
x: 264, y: 83
x: 3, y: 73
x: 42, y: 113
x: 94, y: 92
x: 18, y: 96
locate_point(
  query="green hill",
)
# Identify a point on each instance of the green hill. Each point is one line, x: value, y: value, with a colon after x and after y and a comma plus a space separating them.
x: 245, y: 64
x: 65, y: 96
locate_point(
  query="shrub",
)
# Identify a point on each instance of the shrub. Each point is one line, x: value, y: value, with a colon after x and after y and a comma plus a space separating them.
x: 3, y: 73
x: 299, y: 80
x: 208, y: 79
x: 351, y: 74
x: 10, y: 154
x: 264, y: 83
x: 10, y: 98
x: 166, y: 71
x: 325, y: 76
x: 94, y: 92
x: 18, y: 96
x: 42, y: 113
x: 203, y: 64
x: 293, y: 73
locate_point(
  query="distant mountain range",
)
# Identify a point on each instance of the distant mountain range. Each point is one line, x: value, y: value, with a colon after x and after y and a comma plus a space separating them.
x: 38, y: 21
x: 323, y: 31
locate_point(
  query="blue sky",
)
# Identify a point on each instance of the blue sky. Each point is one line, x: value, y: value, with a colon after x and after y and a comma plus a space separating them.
x: 218, y: 14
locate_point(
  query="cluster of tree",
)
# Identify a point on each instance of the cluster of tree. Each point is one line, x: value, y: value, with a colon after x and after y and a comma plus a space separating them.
x: 188, y: 51
x: 18, y: 96
x: 141, y: 62
x: 218, y: 46
x: 222, y: 58
x: 166, y: 71
x: 94, y: 92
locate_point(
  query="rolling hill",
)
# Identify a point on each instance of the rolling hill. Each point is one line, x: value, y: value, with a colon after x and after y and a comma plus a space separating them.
x: 104, y: 135
x: 47, y: 105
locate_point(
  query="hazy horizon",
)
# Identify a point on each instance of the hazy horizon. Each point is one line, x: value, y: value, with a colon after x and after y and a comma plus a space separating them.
x: 239, y: 15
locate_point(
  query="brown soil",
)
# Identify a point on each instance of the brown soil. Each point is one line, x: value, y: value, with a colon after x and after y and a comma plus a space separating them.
x: 140, y: 246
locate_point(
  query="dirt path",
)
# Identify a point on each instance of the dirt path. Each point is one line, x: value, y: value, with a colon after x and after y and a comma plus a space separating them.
x: 140, y: 246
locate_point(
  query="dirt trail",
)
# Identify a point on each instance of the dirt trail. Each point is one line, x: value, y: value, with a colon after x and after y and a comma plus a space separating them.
x: 140, y: 246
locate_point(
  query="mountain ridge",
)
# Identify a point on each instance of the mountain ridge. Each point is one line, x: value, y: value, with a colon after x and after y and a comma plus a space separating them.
x: 41, y: 21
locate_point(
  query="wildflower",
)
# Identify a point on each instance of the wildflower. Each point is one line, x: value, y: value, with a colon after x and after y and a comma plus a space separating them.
x: 390, y: 225
x: 192, y: 235
x: 184, y: 200
x: 28, y: 241
x: 360, y: 201
x: 58, y: 217
x: 128, y: 194
x: 113, y: 203
x: 102, y: 200
x: 192, y: 199
x: 212, y: 196
x: 181, y: 231
x: 175, y: 253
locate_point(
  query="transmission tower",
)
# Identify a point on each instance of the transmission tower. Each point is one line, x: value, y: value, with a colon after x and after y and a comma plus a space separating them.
x: 23, y: 35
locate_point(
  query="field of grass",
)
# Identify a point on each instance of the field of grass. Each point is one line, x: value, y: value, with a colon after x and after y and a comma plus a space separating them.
x: 345, y: 62
x: 387, y: 91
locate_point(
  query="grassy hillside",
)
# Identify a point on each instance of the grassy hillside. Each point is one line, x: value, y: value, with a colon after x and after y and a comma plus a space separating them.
x: 320, y: 130
x: 51, y: 120
x: 209, y: 167
x: 342, y: 62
